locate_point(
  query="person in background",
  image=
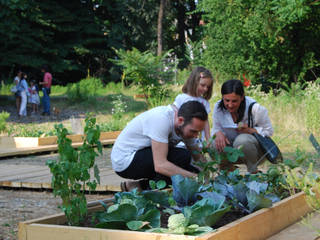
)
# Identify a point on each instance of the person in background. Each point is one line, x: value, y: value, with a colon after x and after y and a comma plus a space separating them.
x: 46, y: 89
x: 16, y: 81
x: 24, y: 93
x: 34, y: 97
x: 198, y: 87
x: 230, y: 125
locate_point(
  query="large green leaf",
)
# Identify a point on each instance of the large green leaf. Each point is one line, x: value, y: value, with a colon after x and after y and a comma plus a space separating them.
x: 184, y: 190
x: 257, y: 201
x: 153, y: 217
x: 124, y: 212
x: 205, y: 212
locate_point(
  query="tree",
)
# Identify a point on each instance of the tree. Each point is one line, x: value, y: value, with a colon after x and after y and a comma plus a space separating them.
x: 64, y: 35
x: 159, y: 29
x: 270, y: 41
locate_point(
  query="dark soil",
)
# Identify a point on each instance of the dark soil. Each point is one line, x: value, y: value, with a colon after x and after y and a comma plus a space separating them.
x: 228, y: 218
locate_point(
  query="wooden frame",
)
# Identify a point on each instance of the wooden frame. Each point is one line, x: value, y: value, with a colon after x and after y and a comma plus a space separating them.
x: 11, y: 146
x: 258, y: 225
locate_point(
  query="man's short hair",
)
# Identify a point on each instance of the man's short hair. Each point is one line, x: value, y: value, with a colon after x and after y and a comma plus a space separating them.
x: 192, y: 109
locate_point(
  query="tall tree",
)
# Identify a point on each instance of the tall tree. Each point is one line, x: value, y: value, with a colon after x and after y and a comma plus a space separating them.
x: 159, y: 30
x: 269, y: 41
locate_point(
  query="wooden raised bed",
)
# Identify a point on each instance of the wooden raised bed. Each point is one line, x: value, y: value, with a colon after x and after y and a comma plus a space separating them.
x: 258, y: 225
x: 10, y: 146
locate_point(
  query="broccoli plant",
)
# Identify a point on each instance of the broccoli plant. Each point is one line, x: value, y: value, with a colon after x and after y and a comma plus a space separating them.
x: 179, y: 224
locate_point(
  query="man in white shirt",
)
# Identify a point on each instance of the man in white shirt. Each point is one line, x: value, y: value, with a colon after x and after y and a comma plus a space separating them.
x: 145, y: 150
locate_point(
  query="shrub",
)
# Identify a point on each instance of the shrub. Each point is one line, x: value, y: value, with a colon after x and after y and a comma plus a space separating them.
x: 149, y: 72
x: 84, y: 90
x: 3, y: 118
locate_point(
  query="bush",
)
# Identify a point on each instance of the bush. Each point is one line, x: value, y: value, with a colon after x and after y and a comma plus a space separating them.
x: 3, y: 118
x: 149, y: 72
x: 84, y: 90
x: 259, y: 38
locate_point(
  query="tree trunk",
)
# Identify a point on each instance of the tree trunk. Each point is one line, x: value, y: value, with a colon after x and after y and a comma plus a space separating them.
x: 159, y: 29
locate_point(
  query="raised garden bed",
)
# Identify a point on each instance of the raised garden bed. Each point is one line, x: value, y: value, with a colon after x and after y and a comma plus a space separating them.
x: 258, y: 225
x: 10, y: 146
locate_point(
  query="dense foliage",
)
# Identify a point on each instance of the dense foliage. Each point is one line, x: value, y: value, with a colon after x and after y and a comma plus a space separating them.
x: 269, y: 41
x: 77, y: 38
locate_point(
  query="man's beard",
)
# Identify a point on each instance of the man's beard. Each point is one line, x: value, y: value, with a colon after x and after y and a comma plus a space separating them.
x: 179, y: 131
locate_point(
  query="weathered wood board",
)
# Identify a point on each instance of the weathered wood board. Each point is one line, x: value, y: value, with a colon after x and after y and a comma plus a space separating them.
x: 12, y: 146
x: 28, y: 176
x: 259, y: 225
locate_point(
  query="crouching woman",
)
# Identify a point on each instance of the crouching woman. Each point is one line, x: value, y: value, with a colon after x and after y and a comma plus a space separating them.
x: 230, y: 125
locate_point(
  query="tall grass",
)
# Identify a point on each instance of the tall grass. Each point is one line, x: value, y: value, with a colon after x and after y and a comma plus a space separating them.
x: 296, y: 115
x: 293, y: 112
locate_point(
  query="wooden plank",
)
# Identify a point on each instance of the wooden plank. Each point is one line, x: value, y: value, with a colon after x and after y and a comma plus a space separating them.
x: 17, y: 142
x: 77, y: 138
x: 10, y: 184
x: 26, y: 173
x: 109, y: 135
x: 27, y: 176
x: 259, y: 225
x: 31, y: 185
x: 53, y: 232
x: 45, y: 148
x: 265, y: 222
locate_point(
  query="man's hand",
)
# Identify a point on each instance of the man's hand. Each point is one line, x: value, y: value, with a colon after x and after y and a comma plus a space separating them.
x: 161, y: 163
x: 221, y: 141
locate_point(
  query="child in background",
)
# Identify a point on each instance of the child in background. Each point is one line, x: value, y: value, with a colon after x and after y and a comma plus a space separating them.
x: 34, y: 97
x: 198, y: 87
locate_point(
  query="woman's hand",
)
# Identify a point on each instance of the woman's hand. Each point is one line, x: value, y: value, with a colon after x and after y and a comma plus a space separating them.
x: 245, y: 129
x: 221, y: 141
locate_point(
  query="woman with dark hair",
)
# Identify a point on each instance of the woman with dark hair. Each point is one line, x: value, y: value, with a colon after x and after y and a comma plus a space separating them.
x: 230, y: 124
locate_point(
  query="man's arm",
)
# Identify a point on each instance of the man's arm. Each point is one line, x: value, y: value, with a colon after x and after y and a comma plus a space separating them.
x: 161, y: 163
x: 195, y: 152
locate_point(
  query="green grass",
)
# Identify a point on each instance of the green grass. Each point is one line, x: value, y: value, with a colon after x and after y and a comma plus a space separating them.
x: 294, y: 115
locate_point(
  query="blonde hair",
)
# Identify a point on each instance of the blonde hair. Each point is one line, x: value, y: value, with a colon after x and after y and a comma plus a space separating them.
x: 191, y: 85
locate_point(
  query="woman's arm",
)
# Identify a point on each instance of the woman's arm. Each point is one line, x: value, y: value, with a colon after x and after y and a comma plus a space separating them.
x: 207, y: 131
x: 261, y: 120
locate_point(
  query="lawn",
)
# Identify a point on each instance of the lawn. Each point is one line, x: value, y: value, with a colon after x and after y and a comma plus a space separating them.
x: 294, y: 114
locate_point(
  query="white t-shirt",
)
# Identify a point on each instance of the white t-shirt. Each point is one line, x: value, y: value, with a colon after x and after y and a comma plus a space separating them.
x: 222, y: 120
x: 155, y: 124
x: 183, y: 98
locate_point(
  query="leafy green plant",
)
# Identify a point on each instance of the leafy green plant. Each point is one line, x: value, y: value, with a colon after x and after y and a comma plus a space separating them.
x: 309, y: 182
x: 179, y: 224
x: 145, y: 70
x: 134, y: 210
x: 208, y: 206
x: 71, y: 173
x: 184, y: 190
x: 247, y: 196
x: 84, y: 90
x: 3, y: 118
x: 210, y: 168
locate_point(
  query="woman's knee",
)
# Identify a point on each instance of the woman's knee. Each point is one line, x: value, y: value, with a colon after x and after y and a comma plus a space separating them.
x: 244, y: 139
